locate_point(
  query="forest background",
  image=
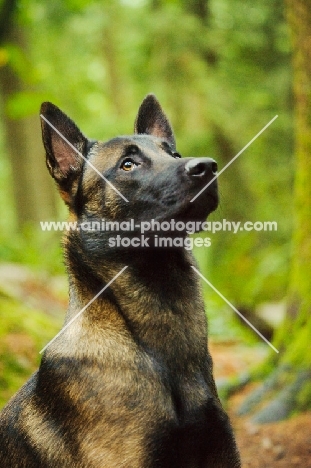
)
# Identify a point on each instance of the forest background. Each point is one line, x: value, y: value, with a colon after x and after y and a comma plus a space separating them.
x: 222, y: 70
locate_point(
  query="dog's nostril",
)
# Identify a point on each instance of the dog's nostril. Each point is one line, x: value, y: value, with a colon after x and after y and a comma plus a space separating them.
x: 195, y: 167
x: 214, y: 167
x: 200, y: 167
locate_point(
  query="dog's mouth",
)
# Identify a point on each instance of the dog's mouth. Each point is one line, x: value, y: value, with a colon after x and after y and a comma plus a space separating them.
x: 176, y: 209
x: 183, y: 217
x: 200, y: 208
x: 194, y: 207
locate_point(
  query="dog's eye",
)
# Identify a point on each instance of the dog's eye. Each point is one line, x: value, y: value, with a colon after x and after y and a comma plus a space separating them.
x: 128, y: 164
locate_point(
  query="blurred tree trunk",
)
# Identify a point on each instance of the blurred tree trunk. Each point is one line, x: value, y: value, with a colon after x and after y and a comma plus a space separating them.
x: 33, y: 191
x: 289, y: 379
x: 299, y: 17
x: 114, y: 65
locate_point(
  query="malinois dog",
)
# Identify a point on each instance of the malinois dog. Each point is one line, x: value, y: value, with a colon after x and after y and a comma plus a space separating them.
x: 129, y: 384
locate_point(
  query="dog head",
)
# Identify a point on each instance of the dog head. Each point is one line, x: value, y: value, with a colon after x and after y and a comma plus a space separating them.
x: 139, y: 177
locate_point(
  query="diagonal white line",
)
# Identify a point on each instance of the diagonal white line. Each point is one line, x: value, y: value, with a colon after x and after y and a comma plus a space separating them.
x: 83, y: 309
x: 235, y: 310
x: 83, y: 157
x: 235, y: 157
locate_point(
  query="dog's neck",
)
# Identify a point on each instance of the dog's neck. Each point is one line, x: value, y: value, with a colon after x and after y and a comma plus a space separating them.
x: 156, y: 277
x: 150, y: 300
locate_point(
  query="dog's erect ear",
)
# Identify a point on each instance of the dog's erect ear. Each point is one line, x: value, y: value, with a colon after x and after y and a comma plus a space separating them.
x: 151, y: 120
x: 58, y: 130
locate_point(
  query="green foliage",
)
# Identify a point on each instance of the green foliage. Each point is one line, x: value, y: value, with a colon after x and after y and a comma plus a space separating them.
x: 40, y: 250
x: 304, y: 397
x: 24, y: 103
x: 223, y: 324
x: 23, y: 332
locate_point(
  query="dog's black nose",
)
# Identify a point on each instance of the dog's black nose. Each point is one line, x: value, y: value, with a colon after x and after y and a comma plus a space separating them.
x: 200, y: 167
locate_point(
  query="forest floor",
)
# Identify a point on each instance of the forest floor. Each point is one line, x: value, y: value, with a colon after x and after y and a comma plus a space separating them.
x: 284, y: 444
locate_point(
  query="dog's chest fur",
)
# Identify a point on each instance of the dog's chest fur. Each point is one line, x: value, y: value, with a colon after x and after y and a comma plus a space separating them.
x: 154, y: 354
